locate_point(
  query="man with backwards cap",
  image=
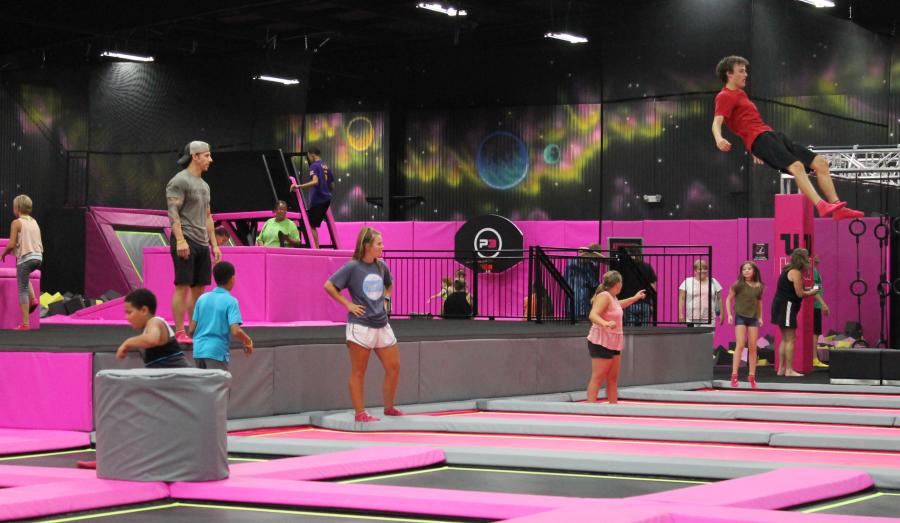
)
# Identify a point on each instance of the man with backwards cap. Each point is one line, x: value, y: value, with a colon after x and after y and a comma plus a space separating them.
x: 193, y: 232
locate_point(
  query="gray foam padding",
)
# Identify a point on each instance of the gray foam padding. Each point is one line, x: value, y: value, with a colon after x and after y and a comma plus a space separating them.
x: 556, y: 460
x: 685, y: 411
x: 161, y: 424
x: 285, y: 420
x: 836, y: 441
x: 314, y: 377
x: 648, y: 394
x: 454, y: 424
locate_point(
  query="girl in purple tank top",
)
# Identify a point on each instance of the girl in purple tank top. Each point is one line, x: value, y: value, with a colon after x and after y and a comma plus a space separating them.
x: 606, y: 336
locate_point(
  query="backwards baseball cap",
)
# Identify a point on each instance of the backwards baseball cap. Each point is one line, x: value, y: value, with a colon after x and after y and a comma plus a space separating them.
x: 195, y: 147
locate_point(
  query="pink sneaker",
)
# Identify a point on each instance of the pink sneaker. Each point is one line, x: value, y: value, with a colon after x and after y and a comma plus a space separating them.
x: 847, y: 213
x: 752, y: 379
x: 826, y: 208
x: 86, y: 464
x: 182, y: 337
x: 364, y: 417
x: 734, y: 381
x: 394, y: 411
x: 22, y: 327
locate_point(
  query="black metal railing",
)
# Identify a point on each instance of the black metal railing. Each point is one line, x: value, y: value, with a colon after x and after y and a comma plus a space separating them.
x: 552, y: 296
x: 676, y: 294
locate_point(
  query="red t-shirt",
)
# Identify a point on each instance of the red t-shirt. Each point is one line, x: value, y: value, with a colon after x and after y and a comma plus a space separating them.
x: 741, y: 115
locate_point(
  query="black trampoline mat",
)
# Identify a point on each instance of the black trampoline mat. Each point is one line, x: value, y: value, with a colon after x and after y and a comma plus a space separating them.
x: 215, y: 513
x: 517, y: 481
x: 882, y: 503
x: 69, y: 459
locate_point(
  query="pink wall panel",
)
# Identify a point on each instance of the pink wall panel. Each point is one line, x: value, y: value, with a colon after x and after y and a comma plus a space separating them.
x: 580, y: 233
x: 435, y: 235
x: 57, y: 388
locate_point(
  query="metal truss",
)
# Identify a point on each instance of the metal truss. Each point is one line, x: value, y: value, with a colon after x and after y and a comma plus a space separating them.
x: 878, y: 164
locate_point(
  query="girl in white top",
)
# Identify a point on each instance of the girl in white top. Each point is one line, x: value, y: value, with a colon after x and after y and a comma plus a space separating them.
x: 694, y: 297
x: 25, y: 239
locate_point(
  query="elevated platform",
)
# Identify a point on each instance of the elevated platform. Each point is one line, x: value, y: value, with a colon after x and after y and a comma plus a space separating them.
x: 303, y: 369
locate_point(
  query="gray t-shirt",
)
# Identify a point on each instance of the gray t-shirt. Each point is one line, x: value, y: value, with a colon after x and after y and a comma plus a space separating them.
x: 193, y: 194
x: 366, y: 283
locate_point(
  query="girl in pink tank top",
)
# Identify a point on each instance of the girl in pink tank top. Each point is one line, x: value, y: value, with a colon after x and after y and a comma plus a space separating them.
x: 605, y: 338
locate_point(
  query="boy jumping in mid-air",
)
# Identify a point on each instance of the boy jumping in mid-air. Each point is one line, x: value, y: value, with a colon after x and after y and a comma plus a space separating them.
x: 735, y: 109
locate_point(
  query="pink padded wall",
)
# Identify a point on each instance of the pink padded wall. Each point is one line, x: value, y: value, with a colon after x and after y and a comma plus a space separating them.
x: 56, y: 388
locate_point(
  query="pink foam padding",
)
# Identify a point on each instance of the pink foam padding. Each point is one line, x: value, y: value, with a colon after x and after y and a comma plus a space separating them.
x: 19, y: 441
x: 73, y: 496
x: 108, y: 310
x: 757, y: 453
x: 107, y: 265
x: 701, y: 514
x: 20, y: 476
x: 435, y: 235
x: 794, y: 219
x: 581, y: 233
x: 452, y: 503
x: 272, y: 285
x: 41, y: 390
x: 10, y: 261
x: 600, y: 511
x: 294, y: 286
x: 10, y: 312
x: 371, y: 460
x: 782, y: 488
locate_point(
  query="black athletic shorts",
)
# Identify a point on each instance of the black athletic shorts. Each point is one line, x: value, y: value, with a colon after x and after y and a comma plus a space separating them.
x: 316, y: 213
x: 779, y: 151
x: 196, y: 269
x: 784, y: 313
x: 599, y: 351
x: 817, y: 321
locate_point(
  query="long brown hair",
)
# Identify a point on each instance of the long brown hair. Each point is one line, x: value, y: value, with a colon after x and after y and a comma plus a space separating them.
x: 365, y: 238
x: 799, y: 260
x: 610, y: 279
x: 756, y: 276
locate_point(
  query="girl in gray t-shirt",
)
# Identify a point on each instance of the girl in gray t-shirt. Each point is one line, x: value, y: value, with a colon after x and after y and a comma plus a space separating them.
x: 368, y: 281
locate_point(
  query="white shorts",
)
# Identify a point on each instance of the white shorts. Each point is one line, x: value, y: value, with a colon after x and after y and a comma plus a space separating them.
x: 371, y: 337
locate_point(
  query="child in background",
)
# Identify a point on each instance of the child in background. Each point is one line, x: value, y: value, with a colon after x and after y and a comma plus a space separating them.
x: 157, y: 338
x: 217, y: 316
x: 25, y: 239
x: 746, y: 293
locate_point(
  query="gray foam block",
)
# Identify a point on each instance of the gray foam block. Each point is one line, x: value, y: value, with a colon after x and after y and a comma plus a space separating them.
x: 835, y: 441
x: 815, y: 387
x: 161, y: 424
x: 648, y: 394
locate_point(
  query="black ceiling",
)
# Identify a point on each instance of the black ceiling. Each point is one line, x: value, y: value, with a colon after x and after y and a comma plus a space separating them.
x: 282, y: 28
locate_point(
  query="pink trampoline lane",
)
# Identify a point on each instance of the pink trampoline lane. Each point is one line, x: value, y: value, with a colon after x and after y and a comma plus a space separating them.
x: 661, y: 449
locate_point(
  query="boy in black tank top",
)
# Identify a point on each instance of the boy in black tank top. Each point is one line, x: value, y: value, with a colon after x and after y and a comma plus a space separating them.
x: 161, y: 350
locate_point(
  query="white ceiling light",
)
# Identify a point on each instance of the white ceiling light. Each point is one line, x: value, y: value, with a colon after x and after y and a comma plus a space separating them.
x: 438, y: 8
x: 283, y: 81
x: 126, y: 56
x: 819, y: 3
x: 567, y: 37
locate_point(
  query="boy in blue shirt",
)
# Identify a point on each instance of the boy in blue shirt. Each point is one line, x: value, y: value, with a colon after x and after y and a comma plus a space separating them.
x: 217, y: 317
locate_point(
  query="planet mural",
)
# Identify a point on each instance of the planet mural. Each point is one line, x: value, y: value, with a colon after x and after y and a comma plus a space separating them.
x: 552, y: 154
x: 502, y: 160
